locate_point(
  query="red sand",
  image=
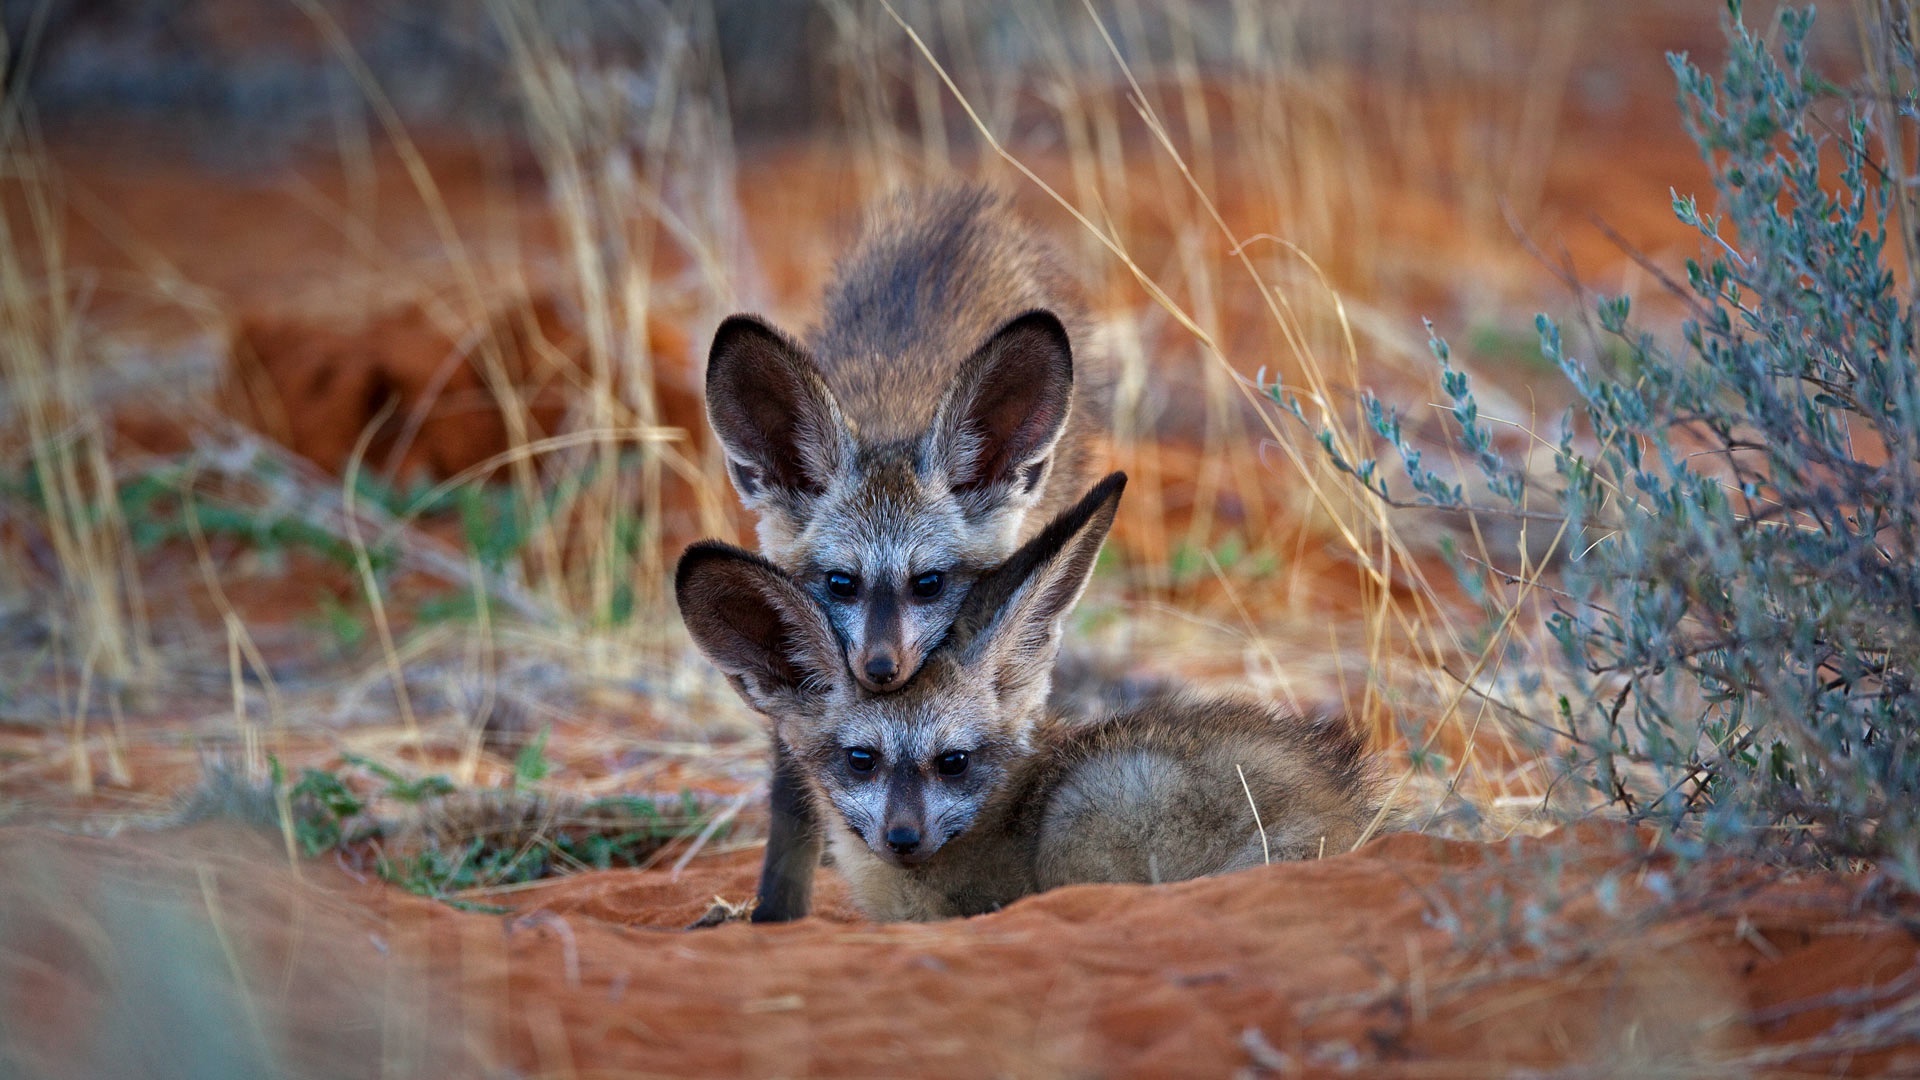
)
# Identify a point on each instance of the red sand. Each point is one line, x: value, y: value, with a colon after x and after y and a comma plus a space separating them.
x: 1300, y: 969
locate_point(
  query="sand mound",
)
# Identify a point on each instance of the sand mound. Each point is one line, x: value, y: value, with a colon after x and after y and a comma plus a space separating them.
x: 316, y: 386
x: 1411, y: 957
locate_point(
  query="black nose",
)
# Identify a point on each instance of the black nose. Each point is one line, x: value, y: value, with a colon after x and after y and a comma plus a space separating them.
x: 881, y: 669
x: 902, y: 840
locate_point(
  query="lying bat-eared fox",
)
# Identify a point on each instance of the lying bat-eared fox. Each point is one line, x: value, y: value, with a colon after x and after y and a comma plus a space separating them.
x: 959, y: 793
x: 935, y: 419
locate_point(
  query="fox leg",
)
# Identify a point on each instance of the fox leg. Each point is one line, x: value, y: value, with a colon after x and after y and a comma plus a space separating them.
x: 793, y: 845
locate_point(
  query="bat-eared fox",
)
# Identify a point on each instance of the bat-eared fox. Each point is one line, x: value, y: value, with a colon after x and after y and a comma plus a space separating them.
x: 959, y: 792
x: 945, y: 407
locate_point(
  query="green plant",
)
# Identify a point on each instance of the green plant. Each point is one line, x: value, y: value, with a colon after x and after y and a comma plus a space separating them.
x: 505, y: 841
x: 342, y: 624
x: 448, y: 840
x: 321, y: 806
x: 160, y: 507
x: 266, y: 504
x: 1230, y: 555
x: 406, y: 789
x: 1743, y: 622
x: 531, y: 766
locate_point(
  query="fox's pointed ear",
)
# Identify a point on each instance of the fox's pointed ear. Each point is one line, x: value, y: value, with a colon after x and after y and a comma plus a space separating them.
x: 1007, y: 408
x: 776, y: 419
x: 1009, y: 624
x: 770, y: 639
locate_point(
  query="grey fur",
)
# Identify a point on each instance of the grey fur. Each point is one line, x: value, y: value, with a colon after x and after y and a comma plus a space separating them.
x: 946, y: 406
x: 1152, y: 793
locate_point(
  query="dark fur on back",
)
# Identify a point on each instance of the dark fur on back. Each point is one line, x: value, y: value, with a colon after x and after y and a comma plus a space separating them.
x: 934, y: 274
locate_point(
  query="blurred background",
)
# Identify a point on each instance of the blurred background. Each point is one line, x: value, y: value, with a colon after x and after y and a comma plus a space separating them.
x: 353, y: 352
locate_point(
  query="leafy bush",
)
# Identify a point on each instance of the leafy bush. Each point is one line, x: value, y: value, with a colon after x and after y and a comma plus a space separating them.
x: 1745, y: 630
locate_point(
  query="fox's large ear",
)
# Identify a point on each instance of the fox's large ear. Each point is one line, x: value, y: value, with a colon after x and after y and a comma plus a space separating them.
x: 770, y: 639
x: 1009, y: 624
x: 1004, y: 413
x: 775, y: 417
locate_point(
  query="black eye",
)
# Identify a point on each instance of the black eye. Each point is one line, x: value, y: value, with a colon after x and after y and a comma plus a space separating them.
x: 842, y: 584
x: 952, y: 763
x: 928, y: 585
x: 861, y: 759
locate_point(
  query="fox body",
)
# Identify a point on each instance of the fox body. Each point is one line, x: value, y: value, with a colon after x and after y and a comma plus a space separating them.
x: 1150, y: 795
x: 959, y: 793
x: 937, y: 416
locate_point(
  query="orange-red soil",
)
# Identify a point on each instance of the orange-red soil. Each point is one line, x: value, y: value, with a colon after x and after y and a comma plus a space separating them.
x: 1415, y: 957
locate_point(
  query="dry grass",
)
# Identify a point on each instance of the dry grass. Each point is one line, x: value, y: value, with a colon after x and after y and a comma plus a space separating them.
x: 56, y: 438
x: 1412, y: 647
x: 1218, y: 170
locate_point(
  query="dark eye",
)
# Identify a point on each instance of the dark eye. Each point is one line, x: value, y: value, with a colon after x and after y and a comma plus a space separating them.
x: 861, y: 759
x: 952, y: 763
x: 842, y: 584
x: 928, y: 585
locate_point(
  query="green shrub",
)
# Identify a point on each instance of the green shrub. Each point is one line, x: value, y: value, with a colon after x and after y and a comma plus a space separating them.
x: 1745, y: 628
x: 447, y: 840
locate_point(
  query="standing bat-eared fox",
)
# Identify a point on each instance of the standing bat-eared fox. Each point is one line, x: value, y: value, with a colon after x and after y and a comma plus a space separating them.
x: 934, y: 420
x: 960, y: 792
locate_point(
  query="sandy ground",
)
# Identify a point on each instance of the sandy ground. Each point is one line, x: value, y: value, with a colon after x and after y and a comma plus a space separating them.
x: 1412, y: 957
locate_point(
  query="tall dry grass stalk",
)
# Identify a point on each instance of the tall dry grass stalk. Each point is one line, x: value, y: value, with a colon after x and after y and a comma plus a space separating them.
x: 1226, y: 163
x: 624, y: 177
x: 1229, y: 171
x: 58, y: 439
x: 1214, y: 161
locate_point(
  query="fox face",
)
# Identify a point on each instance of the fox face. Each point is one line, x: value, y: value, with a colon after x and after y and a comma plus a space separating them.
x: 907, y: 777
x: 908, y: 771
x: 888, y: 531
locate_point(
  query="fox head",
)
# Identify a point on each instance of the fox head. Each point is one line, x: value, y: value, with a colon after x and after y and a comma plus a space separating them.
x: 889, y: 535
x: 907, y: 771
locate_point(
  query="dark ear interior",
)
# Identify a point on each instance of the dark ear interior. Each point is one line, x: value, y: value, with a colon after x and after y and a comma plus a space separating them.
x: 750, y: 619
x: 1009, y: 404
x: 1037, y: 584
x: 771, y: 410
